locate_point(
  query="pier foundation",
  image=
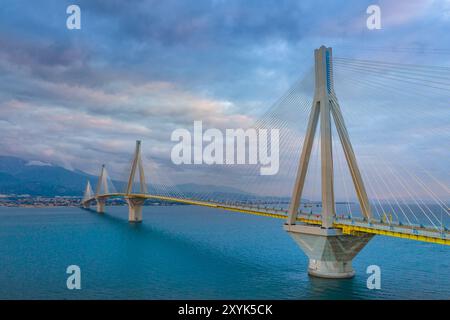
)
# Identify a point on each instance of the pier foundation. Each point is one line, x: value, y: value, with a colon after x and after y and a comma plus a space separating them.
x: 101, y: 205
x: 329, y: 251
x: 135, y: 209
x: 86, y: 205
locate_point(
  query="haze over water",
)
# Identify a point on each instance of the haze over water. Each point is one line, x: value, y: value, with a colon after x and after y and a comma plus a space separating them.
x: 187, y: 252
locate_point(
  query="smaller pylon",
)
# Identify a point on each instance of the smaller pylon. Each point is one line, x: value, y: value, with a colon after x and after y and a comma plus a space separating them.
x: 102, y: 183
x: 137, y: 165
x: 101, y: 190
x: 87, y: 196
x: 135, y: 200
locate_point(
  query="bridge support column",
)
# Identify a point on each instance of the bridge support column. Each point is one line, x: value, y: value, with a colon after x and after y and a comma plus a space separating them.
x: 135, y: 209
x: 329, y: 251
x: 101, y: 205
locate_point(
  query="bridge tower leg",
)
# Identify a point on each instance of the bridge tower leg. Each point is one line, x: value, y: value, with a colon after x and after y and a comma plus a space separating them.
x: 330, y: 252
x: 136, y: 201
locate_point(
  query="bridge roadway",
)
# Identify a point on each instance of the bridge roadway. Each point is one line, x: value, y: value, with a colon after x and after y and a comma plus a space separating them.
x: 352, y: 226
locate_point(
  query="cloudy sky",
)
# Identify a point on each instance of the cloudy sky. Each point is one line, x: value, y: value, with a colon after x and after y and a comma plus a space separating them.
x: 139, y: 69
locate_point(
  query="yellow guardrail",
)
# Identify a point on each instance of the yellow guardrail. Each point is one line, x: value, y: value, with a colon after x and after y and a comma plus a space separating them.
x: 346, y: 228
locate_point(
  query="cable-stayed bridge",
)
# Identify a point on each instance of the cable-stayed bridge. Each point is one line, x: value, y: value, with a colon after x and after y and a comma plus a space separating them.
x: 330, y: 238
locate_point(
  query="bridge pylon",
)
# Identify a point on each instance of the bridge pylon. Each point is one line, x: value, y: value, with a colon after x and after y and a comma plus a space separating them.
x: 88, y: 194
x: 136, y: 200
x: 330, y: 252
x: 101, y: 190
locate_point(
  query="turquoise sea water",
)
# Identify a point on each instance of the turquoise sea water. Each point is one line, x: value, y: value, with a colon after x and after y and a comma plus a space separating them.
x: 187, y: 252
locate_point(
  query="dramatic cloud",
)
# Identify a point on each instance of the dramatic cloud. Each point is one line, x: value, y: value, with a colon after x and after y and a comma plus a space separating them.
x: 140, y: 69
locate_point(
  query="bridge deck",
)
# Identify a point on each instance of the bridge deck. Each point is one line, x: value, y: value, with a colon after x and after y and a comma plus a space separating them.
x: 348, y: 226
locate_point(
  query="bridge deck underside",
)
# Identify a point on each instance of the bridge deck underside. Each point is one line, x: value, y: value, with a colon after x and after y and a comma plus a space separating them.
x: 348, y: 226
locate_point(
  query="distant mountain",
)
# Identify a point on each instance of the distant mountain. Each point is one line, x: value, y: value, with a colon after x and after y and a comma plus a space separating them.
x: 193, y: 190
x: 18, y: 176
x: 11, y: 165
x: 205, y: 188
x: 7, y: 179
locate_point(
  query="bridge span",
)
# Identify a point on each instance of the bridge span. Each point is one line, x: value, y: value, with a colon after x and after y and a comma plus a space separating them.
x: 350, y: 226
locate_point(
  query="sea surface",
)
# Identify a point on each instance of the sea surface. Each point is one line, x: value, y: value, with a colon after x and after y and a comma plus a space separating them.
x: 188, y: 252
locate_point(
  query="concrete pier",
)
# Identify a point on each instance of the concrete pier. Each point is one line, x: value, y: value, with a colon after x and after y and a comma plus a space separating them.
x: 101, y: 202
x: 86, y: 205
x: 329, y: 251
x: 135, y: 209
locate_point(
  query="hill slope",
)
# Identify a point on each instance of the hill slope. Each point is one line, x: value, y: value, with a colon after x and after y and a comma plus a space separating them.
x: 18, y: 176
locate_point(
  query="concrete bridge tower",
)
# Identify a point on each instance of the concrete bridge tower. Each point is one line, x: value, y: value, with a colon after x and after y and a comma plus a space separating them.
x: 88, y: 194
x: 101, y: 191
x: 135, y: 202
x: 330, y: 251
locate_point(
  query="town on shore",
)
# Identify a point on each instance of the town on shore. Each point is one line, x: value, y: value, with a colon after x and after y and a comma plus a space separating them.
x: 29, y: 201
